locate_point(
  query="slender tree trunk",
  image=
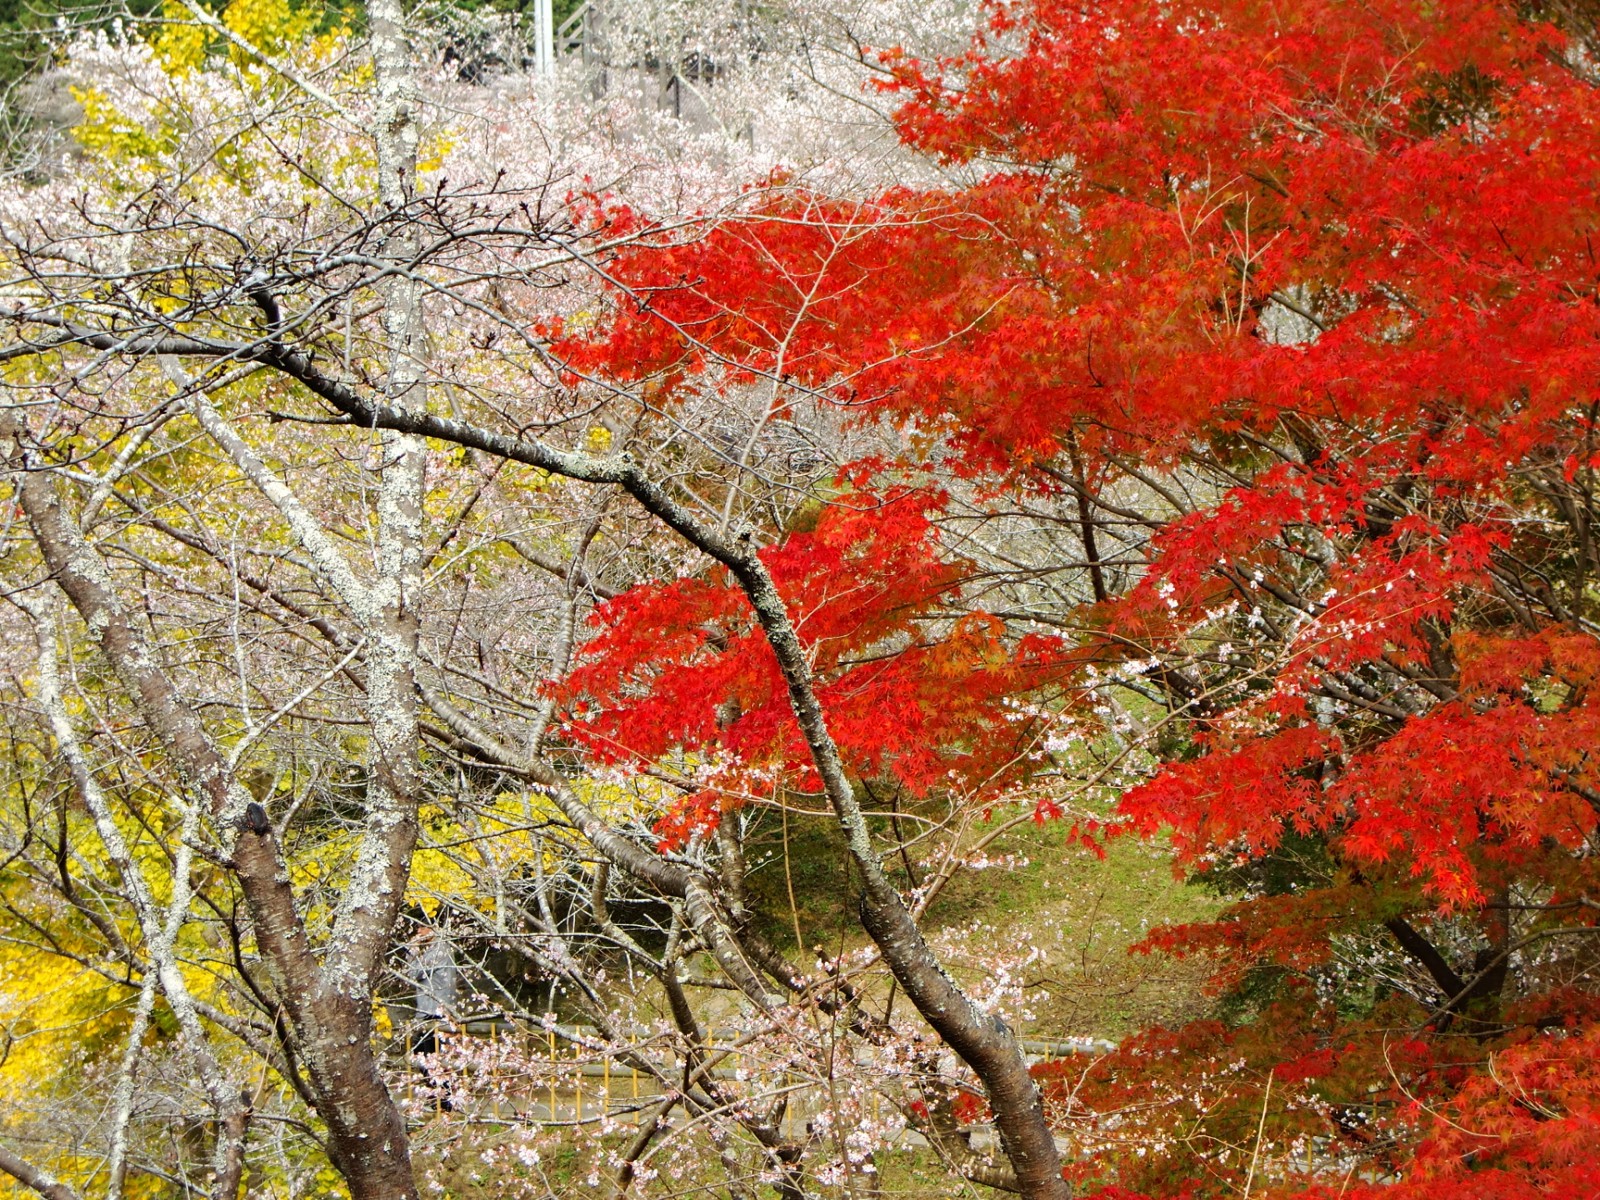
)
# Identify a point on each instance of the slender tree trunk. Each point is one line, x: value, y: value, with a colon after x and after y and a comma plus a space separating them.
x: 328, y: 1024
x: 983, y: 1042
x: 1086, y: 521
x: 160, y: 931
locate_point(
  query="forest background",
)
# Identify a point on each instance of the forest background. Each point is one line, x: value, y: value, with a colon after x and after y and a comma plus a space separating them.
x: 967, y: 598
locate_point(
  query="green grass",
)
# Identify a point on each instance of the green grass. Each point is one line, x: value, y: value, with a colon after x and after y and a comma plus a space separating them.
x: 1082, y: 911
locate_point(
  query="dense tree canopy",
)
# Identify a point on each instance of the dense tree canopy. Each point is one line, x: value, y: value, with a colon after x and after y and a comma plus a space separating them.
x: 1296, y: 305
x: 1185, y: 435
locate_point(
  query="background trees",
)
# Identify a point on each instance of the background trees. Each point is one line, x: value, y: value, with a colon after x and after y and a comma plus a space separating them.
x: 417, y: 542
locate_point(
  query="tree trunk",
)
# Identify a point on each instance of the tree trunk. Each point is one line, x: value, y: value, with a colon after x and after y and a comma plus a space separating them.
x: 330, y: 1029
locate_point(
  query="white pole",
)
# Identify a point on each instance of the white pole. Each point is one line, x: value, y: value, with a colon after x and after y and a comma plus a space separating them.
x: 545, y: 33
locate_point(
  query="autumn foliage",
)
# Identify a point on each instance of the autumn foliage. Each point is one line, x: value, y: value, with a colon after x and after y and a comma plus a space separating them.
x: 1305, y: 296
x: 683, y: 666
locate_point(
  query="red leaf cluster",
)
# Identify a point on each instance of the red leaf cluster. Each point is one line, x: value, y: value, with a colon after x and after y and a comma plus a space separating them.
x: 1316, y: 284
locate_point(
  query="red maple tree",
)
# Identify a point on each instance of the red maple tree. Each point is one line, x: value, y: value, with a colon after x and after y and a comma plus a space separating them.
x: 1293, y: 308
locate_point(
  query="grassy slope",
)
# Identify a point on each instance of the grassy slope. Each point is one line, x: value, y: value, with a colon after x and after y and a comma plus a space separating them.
x: 1080, y: 911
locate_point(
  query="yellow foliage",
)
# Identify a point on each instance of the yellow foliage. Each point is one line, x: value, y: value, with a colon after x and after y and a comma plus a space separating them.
x: 459, y: 846
x: 533, y: 480
x: 431, y: 156
x: 494, y: 838
x: 180, y: 43
x: 271, y: 25
x: 330, y: 1184
x: 107, y: 132
x: 51, y: 1009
